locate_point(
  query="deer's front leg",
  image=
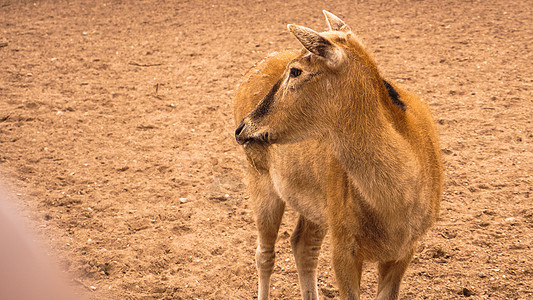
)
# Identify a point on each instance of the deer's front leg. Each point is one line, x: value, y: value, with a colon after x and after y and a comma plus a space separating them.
x: 347, y: 265
x: 390, y: 277
x: 306, y: 242
x: 269, y: 209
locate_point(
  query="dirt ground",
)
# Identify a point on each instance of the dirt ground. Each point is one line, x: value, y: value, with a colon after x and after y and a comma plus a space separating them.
x: 116, y: 140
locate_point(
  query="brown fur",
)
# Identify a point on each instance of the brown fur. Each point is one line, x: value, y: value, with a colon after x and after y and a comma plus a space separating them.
x: 332, y: 144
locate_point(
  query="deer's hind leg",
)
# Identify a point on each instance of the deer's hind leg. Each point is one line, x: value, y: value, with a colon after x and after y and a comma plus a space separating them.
x: 306, y: 242
x: 269, y: 209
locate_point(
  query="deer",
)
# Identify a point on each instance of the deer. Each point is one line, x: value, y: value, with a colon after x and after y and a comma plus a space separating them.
x: 354, y: 154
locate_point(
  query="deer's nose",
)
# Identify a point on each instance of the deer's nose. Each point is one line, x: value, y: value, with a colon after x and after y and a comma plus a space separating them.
x: 238, y: 132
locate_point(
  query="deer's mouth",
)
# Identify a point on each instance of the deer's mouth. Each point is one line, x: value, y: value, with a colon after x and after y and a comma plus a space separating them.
x: 244, y: 135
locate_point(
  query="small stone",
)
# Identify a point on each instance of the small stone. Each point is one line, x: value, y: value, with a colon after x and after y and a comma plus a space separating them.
x: 447, y: 151
x: 467, y: 292
x: 481, y: 275
x: 511, y: 219
x: 183, y: 200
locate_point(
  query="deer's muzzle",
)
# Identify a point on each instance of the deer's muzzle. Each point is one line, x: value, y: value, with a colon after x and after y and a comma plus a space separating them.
x: 245, y: 133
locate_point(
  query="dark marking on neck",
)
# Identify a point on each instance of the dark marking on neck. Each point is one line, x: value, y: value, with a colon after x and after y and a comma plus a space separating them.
x: 264, y: 106
x: 393, y: 94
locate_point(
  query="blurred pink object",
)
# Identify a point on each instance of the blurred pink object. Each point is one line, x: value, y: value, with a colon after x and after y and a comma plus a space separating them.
x: 25, y: 272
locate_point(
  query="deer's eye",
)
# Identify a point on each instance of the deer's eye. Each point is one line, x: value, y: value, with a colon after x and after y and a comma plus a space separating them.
x: 294, y: 72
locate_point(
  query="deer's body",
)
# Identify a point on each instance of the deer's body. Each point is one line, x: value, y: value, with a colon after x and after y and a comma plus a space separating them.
x: 353, y: 154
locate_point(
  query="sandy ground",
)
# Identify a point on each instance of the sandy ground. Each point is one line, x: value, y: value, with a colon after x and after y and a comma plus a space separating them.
x: 116, y: 138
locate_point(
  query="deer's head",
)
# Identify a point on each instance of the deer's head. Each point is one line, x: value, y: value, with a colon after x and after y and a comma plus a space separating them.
x: 311, y: 91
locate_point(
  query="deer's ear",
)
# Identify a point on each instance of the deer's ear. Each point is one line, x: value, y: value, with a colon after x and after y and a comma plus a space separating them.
x: 334, y: 23
x: 315, y: 43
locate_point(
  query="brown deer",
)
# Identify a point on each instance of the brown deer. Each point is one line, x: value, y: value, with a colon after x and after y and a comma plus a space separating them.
x: 354, y: 154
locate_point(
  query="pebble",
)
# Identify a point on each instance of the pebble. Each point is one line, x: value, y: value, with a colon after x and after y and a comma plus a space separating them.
x: 467, y: 292
x: 183, y: 200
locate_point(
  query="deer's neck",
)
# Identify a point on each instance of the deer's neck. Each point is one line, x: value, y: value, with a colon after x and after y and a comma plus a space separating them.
x: 378, y: 160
